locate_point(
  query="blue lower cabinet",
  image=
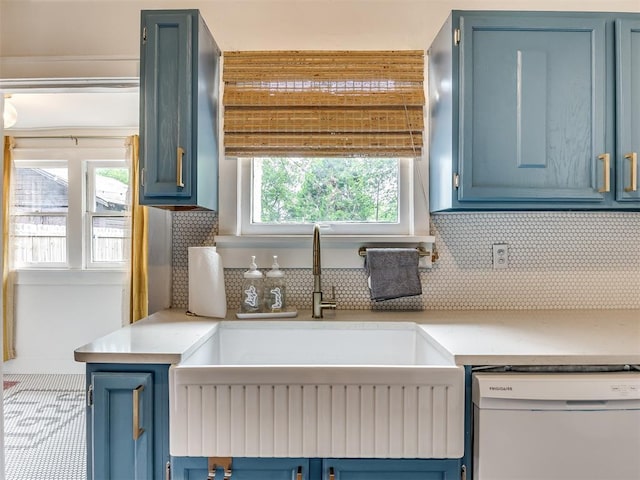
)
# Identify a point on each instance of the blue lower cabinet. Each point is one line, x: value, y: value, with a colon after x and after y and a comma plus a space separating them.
x: 127, y: 434
x: 185, y: 468
x: 381, y: 469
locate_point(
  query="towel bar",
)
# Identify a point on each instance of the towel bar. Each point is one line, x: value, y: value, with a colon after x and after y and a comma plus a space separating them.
x: 423, y: 252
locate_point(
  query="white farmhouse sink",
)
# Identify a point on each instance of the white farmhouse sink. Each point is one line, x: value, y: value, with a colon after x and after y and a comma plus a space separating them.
x: 317, y: 389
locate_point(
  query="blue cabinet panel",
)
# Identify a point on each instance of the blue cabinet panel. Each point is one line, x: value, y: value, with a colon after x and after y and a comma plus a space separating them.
x: 382, y: 469
x: 532, y: 109
x: 187, y: 468
x: 115, y: 447
x: 122, y: 425
x: 166, y: 82
x: 184, y: 468
x: 179, y: 84
x: 628, y: 109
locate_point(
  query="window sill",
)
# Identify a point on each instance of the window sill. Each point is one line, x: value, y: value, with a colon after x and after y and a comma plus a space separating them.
x: 295, y: 251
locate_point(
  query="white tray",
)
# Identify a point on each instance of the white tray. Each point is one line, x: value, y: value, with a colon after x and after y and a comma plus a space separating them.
x: 286, y: 313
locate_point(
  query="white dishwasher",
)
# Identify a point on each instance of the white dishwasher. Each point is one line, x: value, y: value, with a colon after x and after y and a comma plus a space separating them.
x: 548, y: 426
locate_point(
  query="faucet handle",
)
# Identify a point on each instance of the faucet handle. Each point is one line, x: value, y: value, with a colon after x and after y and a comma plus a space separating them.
x: 333, y: 293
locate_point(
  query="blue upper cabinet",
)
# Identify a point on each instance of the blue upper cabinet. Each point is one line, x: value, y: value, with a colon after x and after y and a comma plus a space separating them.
x: 523, y: 107
x: 532, y: 121
x: 628, y: 109
x: 179, y: 93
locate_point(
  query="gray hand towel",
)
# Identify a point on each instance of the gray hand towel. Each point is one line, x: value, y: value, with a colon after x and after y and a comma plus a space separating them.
x: 393, y: 273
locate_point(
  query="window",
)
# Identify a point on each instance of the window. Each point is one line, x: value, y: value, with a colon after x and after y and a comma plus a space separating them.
x: 39, y: 213
x: 107, y: 216
x: 70, y: 205
x: 324, y: 137
x: 351, y: 196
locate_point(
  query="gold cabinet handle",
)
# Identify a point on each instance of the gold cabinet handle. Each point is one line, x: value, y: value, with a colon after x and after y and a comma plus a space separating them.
x: 299, y: 474
x: 137, y: 431
x: 606, y: 158
x: 222, y: 462
x: 633, y: 158
x: 332, y: 475
x: 179, y: 156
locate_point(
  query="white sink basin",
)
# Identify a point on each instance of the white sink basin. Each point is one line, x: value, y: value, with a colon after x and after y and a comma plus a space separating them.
x: 317, y: 389
x: 318, y: 343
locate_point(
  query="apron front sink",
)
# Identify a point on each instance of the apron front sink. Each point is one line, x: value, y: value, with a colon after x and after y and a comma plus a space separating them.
x: 317, y: 389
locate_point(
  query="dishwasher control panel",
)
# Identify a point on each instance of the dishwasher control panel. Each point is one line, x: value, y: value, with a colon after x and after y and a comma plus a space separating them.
x: 556, y: 386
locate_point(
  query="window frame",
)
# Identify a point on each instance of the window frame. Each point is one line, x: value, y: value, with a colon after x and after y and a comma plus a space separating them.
x: 77, y: 155
x: 294, y: 250
x: 58, y: 163
x: 404, y: 225
x: 91, y: 213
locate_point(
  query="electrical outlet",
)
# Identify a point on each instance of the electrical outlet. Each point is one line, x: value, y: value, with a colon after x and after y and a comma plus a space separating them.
x: 500, y: 255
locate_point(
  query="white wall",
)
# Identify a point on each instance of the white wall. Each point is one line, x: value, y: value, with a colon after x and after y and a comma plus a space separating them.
x: 57, y: 312
x: 51, y: 38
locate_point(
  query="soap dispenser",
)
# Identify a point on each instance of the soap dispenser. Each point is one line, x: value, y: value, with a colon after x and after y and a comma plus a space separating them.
x: 252, y: 288
x: 274, y: 290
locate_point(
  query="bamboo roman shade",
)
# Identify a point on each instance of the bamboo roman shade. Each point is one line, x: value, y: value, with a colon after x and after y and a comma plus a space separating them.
x: 323, y: 103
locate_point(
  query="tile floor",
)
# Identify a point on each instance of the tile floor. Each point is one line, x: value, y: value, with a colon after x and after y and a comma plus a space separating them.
x: 44, y: 424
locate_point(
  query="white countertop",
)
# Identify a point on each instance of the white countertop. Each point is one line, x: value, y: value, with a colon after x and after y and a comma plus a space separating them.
x: 164, y: 337
x: 471, y: 337
x: 538, y: 337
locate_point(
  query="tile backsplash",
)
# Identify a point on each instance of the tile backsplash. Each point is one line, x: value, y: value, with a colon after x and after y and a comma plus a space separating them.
x: 555, y: 260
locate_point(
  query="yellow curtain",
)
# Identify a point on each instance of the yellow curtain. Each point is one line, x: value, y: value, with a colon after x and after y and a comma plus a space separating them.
x: 138, y: 301
x: 7, y: 289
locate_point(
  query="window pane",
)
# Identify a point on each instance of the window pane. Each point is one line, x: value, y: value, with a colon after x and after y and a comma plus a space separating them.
x: 39, y: 221
x: 40, y: 190
x: 111, y: 190
x: 39, y: 239
x: 110, y: 239
x: 330, y: 190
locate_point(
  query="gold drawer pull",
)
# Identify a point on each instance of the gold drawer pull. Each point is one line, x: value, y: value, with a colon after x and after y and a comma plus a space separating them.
x: 332, y: 475
x: 137, y: 431
x: 606, y: 158
x: 299, y: 474
x: 214, y: 463
x: 633, y: 158
x: 180, y: 154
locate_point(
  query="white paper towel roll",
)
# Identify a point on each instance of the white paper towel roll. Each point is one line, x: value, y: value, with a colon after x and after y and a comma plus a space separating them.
x: 207, y: 295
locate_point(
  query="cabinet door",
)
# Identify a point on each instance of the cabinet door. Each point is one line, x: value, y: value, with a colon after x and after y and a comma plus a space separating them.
x: 122, y: 426
x: 532, y: 108
x: 376, y: 469
x: 628, y: 109
x: 166, y: 73
x: 186, y: 468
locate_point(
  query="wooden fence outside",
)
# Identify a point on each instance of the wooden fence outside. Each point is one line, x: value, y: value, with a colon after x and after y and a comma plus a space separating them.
x: 48, y: 244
